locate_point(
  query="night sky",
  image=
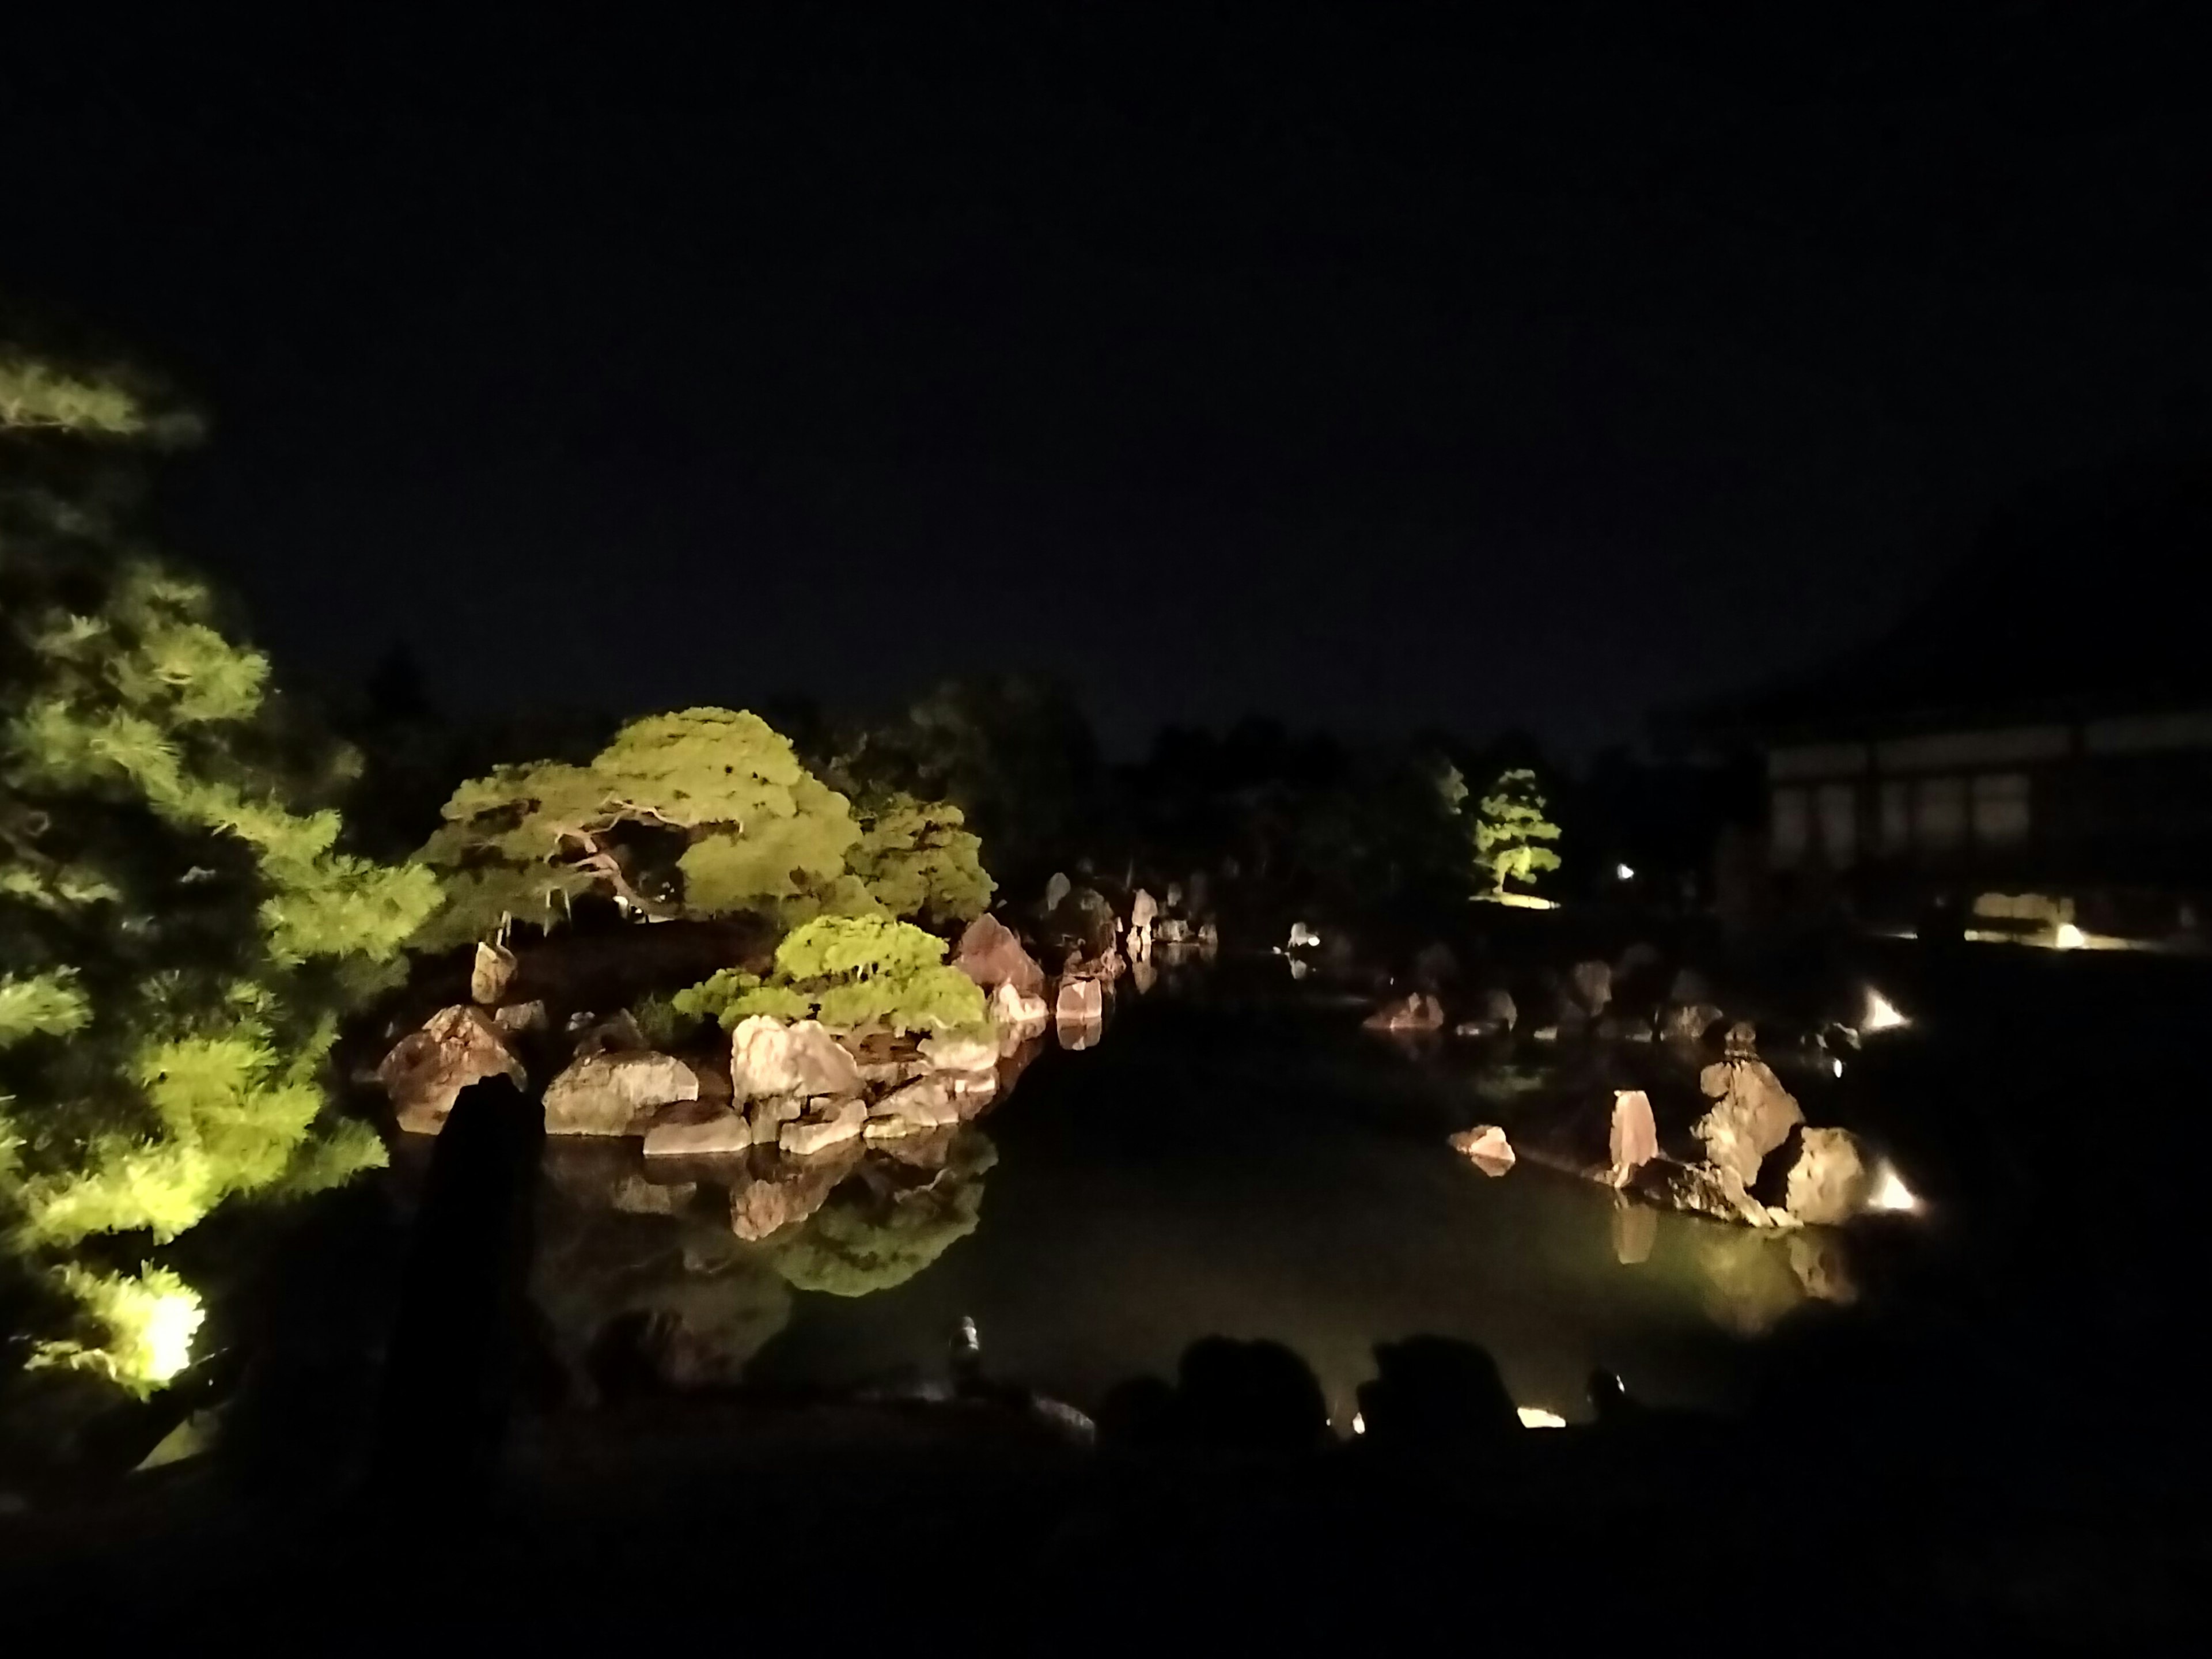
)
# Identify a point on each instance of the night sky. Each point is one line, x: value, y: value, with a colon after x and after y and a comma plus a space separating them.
x: 1545, y: 365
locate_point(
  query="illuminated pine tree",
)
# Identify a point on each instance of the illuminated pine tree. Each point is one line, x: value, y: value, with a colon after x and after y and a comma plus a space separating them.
x: 179, y: 928
x: 919, y: 858
x: 755, y: 829
x: 1509, y: 828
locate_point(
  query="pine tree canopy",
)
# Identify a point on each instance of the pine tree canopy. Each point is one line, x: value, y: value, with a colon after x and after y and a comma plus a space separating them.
x: 919, y: 858
x: 1508, y: 828
x: 179, y: 927
x: 853, y: 973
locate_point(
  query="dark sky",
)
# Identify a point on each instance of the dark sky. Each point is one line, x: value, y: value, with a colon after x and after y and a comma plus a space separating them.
x: 1539, y: 364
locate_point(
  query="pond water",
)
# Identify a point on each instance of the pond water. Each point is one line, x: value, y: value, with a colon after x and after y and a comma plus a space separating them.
x: 1234, y: 1157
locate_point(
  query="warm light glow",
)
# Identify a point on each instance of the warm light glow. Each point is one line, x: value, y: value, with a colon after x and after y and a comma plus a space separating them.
x: 1839, y: 1066
x: 171, y: 1324
x: 2067, y: 936
x: 149, y: 1322
x: 1536, y: 1417
x: 1881, y: 1013
x: 1890, y: 1191
x: 1624, y: 872
x: 1358, y: 1423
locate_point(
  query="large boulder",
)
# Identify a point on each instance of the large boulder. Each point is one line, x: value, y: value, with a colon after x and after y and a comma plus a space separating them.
x: 1633, y: 1140
x: 1080, y: 1002
x: 918, y: 1107
x: 1752, y: 1115
x: 1142, y: 909
x: 768, y: 1058
x: 991, y: 955
x: 1486, y: 1147
x: 427, y: 1069
x: 720, y: 1135
x: 1829, y: 1179
x: 957, y: 1051
x: 615, y: 1093
x: 829, y: 1124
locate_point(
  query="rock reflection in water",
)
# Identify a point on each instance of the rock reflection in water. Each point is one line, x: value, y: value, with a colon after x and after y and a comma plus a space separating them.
x: 647, y: 1274
x: 881, y: 1230
x: 1634, y: 1230
x: 1755, y: 1279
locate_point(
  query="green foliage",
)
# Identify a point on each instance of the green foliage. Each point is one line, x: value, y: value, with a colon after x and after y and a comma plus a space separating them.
x: 1014, y: 754
x: 178, y: 924
x: 1509, y: 828
x: 35, y: 395
x: 140, y: 1328
x: 918, y: 858
x: 860, y: 1242
x: 852, y: 973
x: 757, y: 829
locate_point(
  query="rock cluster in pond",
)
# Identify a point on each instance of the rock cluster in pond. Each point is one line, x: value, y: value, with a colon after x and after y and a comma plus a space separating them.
x: 790, y: 1108
x: 1736, y: 1147
x: 427, y: 1069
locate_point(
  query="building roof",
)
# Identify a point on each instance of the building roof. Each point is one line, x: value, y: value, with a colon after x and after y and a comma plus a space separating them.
x: 2077, y: 598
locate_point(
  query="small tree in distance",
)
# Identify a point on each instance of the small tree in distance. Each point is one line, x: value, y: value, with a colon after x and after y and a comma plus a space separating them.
x: 1509, y: 828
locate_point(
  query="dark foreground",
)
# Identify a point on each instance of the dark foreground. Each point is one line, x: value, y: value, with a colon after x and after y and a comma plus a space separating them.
x: 2012, y: 1450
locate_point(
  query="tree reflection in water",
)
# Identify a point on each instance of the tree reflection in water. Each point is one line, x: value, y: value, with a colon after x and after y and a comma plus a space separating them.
x: 639, y: 1281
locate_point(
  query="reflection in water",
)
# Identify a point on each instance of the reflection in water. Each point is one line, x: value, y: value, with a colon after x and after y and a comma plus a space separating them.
x: 635, y: 1274
x: 1202, y: 1174
x: 1756, y: 1277
x: 1635, y: 1230
x: 876, y: 1232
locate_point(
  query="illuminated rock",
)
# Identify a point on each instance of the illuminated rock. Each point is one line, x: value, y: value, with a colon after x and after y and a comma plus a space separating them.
x: 427, y: 1069
x: 1705, y: 1190
x: 1081, y: 1002
x: 718, y: 1135
x: 829, y: 1124
x: 1830, y: 1179
x: 768, y: 1058
x: 990, y: 954
x: 1144, y: 910
x: 766, y: 1118
x: 952, y: 1051
x: 1634, y: 1139
x: 927, y: 1104
x: 1752, y: 1113
x: 1014, y: 1010
x: 1415, y: 1011
x: 614, y: 1094
x: 490, y: 974
x: 1486, y: 1147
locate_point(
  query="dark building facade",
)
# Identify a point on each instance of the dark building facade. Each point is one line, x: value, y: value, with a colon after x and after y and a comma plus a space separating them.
x: 2032, y: 748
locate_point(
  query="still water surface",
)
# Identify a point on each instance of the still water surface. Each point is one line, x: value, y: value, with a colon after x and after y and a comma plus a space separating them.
x: 1223, y: 1166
